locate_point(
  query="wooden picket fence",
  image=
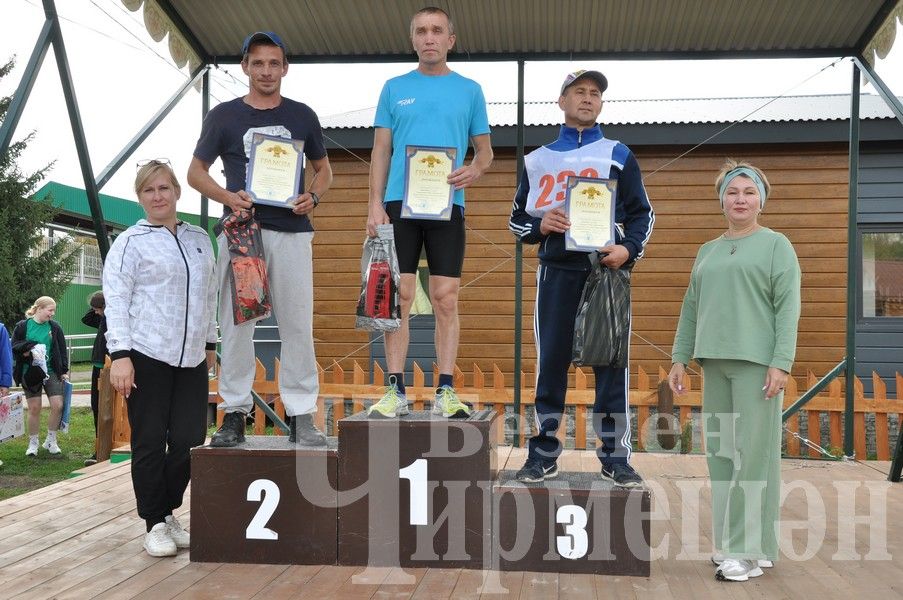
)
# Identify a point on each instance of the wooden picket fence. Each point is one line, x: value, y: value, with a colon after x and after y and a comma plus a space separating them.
x: 344, y: 393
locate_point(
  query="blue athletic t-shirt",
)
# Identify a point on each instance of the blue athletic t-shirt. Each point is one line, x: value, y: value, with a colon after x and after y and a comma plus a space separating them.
x: 429, y: 110
x: 227, y: 132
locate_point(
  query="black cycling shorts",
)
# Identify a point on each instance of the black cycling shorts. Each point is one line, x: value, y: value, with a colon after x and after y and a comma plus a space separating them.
x: 443, y: 240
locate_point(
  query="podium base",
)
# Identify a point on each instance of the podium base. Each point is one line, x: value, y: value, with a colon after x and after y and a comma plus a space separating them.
x: 575, y: 523
x: 264, y: 501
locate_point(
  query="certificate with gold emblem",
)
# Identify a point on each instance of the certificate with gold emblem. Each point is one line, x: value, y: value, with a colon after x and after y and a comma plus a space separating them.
x: 427, y: 193
x: 275, y: 166
x: 590, y: 207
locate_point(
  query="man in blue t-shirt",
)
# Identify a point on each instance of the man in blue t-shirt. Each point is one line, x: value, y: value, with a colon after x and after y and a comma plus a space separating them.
x: 287, y: 236
x: 435, y: 107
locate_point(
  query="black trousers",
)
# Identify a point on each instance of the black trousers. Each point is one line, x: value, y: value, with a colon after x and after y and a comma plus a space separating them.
x: 168, y: 416
x: 558, y: 294
x: 95, y: 394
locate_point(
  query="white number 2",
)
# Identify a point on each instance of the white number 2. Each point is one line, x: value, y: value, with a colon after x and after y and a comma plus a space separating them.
x: 416, y: 474
x: 268, y: 491
x: 574, y: 543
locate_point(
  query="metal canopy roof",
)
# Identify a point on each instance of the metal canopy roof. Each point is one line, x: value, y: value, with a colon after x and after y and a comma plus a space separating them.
x: 377, y: 30
x: 823, y: 107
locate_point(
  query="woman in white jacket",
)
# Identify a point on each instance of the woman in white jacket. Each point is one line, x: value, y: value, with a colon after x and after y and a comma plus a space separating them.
x: 161, y: 335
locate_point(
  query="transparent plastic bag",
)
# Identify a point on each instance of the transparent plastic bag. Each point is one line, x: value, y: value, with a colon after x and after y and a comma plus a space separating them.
x: 378, y: 307
x: 602, y: 326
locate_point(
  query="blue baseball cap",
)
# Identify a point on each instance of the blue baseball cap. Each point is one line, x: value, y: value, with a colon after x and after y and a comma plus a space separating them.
x: 262, y: 36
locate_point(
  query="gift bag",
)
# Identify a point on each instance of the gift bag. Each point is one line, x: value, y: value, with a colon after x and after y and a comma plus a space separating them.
x: 12, y: 416
x: 378, y: 307
x: 249, y: 283
x: 602, y: 326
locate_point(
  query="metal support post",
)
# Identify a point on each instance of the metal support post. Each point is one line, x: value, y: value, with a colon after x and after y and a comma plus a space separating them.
x: 78, y: 132
x: 518, y: 262
x: 20, y: 98
x: 852, y: 287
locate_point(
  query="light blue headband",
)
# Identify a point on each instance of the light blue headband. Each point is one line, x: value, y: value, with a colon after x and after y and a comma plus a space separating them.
x: 729, y: 176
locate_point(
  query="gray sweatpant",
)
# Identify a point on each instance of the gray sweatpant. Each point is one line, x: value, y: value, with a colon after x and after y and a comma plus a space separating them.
x: 290, y: 272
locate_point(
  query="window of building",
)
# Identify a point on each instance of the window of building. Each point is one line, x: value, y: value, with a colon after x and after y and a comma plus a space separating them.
x: 882, y: 273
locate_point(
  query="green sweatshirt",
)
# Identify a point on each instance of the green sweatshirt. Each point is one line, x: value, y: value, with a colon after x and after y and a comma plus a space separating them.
x: 743, y: 302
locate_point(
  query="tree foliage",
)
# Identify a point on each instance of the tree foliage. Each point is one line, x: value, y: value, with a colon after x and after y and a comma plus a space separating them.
x: 25, y: 272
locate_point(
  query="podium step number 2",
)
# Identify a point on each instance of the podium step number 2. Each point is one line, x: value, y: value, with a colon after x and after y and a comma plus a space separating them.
x: 267, y: 493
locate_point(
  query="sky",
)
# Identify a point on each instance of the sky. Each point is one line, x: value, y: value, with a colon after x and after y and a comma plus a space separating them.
x: 122, y: 77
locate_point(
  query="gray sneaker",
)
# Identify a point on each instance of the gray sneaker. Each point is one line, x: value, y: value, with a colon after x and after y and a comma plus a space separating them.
x: 732, y: 569
x: 303, y: 432
x: 718, y: 558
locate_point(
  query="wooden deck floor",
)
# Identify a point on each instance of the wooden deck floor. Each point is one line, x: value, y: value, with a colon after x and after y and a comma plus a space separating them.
x: 82, y: 539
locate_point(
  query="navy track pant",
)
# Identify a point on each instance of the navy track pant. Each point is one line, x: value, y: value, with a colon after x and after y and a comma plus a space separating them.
x: 557, y: 298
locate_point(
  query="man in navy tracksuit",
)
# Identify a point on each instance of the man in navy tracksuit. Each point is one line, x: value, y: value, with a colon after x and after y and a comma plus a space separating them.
x: 538, y: 217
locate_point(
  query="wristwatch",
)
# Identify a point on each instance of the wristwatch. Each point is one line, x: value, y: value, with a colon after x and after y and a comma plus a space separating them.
x: 316, y: 198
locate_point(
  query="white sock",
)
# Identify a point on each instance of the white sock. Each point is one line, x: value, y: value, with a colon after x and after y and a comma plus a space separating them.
x: 51, y: 436
x: 32, y: 439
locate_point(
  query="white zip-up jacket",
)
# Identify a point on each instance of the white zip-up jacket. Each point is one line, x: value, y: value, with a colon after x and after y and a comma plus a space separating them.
x: 160, y: 294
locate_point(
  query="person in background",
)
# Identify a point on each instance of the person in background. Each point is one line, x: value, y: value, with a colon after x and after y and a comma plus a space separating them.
x: 739, y: 321
x: 160, y: 294
x: 41, y: 365
x: 94, y: 318
x: 6, y: 362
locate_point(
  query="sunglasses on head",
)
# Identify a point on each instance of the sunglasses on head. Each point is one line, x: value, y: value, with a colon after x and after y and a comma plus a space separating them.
x: 153, y: 161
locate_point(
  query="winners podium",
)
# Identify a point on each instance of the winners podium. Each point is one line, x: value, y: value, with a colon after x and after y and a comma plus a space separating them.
x: 247, y: 505
x: 416, y: 491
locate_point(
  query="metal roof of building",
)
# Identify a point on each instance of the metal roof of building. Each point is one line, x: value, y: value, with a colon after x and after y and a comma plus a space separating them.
x: 119, y: 213
x: 832, y: 107
x: 377, y: 30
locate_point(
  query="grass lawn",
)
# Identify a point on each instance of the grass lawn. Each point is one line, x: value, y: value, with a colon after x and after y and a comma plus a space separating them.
x: 20, y: 473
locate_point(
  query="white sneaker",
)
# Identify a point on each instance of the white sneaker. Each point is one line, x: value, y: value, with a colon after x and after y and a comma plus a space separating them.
x: 732, y: 569
x: 718, y: 558
x: 158, y: 543
x: 177, y: 533
x: 32, y: 448
x: 51, y: 446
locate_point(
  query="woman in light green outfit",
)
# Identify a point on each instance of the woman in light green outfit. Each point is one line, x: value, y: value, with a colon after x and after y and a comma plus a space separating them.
x: 739, y: 321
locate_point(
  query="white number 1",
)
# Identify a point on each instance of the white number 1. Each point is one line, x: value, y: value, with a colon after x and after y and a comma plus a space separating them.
x: 416, y: 474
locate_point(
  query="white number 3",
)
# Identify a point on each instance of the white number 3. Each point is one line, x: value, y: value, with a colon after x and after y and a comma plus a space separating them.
x: 574, y: 543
